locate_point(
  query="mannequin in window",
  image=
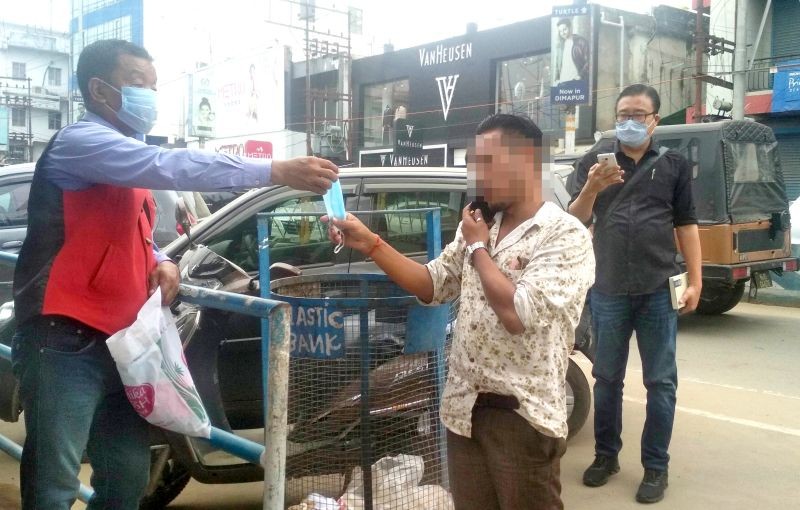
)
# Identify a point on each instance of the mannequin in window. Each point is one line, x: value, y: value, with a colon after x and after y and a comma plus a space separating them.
x: 388, y: 123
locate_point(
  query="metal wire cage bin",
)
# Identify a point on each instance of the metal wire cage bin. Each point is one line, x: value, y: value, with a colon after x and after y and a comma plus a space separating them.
x: 366, y: 374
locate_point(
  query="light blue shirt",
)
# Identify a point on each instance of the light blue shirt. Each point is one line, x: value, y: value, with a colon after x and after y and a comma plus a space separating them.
x: 92, y: 151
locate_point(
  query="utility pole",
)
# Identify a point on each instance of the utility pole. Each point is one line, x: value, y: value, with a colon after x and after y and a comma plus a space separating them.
x: 739, y: 61
x: 324, y: 44
x: 699, y: 47
x: 30, y: 118
x: 711, y: 45
x: 309, y: 127
x: 569, y: 129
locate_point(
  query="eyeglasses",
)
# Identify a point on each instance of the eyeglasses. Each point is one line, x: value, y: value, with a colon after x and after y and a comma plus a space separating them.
x: 638, y: 117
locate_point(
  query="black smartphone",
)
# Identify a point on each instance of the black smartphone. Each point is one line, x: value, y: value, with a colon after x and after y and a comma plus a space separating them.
x: 487, y: 213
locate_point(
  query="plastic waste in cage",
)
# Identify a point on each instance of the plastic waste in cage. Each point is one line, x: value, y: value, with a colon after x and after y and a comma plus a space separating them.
x: 366, y: 375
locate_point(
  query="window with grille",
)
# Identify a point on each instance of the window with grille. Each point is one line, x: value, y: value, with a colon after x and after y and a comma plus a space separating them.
x: 54, y: 77
x: 18, y: 70
x: 54, y: 120
x: 18, y: 117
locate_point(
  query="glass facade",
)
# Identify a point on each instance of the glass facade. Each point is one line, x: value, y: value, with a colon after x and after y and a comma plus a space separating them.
x: 382, y: 103
x: 119, y: 28
x: 523, y: 87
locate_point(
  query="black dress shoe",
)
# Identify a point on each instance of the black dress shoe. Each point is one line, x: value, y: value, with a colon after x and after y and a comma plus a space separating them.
x: 651, y: 490
x: 601, y: 469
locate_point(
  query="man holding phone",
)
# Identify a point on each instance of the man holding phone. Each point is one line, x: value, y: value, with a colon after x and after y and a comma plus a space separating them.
x: 522, y: 280
x: 639, y: 198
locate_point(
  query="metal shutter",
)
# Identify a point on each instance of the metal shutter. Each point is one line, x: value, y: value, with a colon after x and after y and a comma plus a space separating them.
x: 786, y: 30
x: 789, y: 150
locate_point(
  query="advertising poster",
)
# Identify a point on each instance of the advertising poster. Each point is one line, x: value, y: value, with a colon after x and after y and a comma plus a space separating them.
x: 571, y: 55
x: 238, y: 97
x: 201, y: 103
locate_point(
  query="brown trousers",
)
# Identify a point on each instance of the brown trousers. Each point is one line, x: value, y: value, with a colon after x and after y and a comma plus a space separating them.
x: 505, y: 465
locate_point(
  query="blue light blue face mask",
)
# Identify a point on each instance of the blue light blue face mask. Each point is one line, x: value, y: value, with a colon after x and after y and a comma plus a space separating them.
x: 139, y: 110
x: 334, y: 206
x: 631, y: 133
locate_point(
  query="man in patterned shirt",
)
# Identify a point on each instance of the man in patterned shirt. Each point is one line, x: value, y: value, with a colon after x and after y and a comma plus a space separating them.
x: 504, y: 404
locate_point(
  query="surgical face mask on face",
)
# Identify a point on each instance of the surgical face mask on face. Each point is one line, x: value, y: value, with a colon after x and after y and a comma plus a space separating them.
x: 632, y: 133
x: 138, y: 110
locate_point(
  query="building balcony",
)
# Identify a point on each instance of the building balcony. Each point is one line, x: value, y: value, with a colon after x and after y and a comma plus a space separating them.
x: 761, y: 77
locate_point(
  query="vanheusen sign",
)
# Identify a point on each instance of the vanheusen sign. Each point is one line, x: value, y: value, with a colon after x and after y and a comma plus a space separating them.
x: 442, y: 54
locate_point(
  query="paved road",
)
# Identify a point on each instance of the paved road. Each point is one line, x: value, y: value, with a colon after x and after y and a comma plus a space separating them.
x: 737, y: 434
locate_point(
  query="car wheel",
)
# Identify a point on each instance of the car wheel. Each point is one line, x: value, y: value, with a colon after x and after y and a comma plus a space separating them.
x: 717, y: 298
x: 579, y: 396
x: 172, y: 481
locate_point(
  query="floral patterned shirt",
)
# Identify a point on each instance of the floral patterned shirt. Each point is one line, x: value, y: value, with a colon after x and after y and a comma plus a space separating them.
x: 550, y: 259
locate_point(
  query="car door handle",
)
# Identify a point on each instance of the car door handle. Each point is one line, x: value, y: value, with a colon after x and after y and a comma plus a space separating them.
x: 11, y: 245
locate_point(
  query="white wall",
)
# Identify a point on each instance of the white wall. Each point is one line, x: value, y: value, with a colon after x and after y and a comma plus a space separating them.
x: 659, y: 61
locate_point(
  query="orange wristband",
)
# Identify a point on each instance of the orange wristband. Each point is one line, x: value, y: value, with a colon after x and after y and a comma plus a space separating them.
x: 378, y: 242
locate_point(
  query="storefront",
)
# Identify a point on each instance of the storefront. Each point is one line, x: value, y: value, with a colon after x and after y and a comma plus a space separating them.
x: 442, y: 90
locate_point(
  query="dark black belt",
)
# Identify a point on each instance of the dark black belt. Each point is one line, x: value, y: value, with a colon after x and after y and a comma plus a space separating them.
x: 71, y: 326
x: 497, y: 401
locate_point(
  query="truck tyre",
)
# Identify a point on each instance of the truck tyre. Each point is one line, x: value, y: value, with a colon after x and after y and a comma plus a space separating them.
x: 579, y: 396
x: 718, y: 298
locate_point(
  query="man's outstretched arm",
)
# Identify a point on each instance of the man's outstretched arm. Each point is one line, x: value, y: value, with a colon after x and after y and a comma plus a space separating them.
x: 405, y: 272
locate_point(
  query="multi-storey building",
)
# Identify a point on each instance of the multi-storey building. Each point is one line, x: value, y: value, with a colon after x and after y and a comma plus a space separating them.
x: 34, y: 75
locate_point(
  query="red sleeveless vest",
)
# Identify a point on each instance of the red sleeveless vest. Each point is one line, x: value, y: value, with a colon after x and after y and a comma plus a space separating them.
x: 100, y: 274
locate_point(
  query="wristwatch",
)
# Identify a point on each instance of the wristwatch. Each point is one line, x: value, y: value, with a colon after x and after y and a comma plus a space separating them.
x: 475, y: 246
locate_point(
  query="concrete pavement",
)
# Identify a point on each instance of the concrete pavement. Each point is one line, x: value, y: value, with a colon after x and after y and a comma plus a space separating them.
x: 736, y: 443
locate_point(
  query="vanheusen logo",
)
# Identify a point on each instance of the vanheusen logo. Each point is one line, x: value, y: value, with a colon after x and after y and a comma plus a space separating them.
x: 410, y: 129
x: 447, y: 85
x: 383, y: 159
x: 442, y: 54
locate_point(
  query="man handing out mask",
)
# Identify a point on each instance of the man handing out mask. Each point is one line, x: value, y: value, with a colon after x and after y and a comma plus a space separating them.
x: 87, y: 266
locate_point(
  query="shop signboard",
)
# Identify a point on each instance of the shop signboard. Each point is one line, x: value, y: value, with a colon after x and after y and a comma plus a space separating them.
x: 786, y: 88
x: 258, y: 149
x: 407, y: 138
x: 431, y: 155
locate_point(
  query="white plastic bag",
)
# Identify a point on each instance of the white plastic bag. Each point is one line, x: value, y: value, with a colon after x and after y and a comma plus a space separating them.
x: 395, y: 482
x: 319, y: 502
x: 149, y: 357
